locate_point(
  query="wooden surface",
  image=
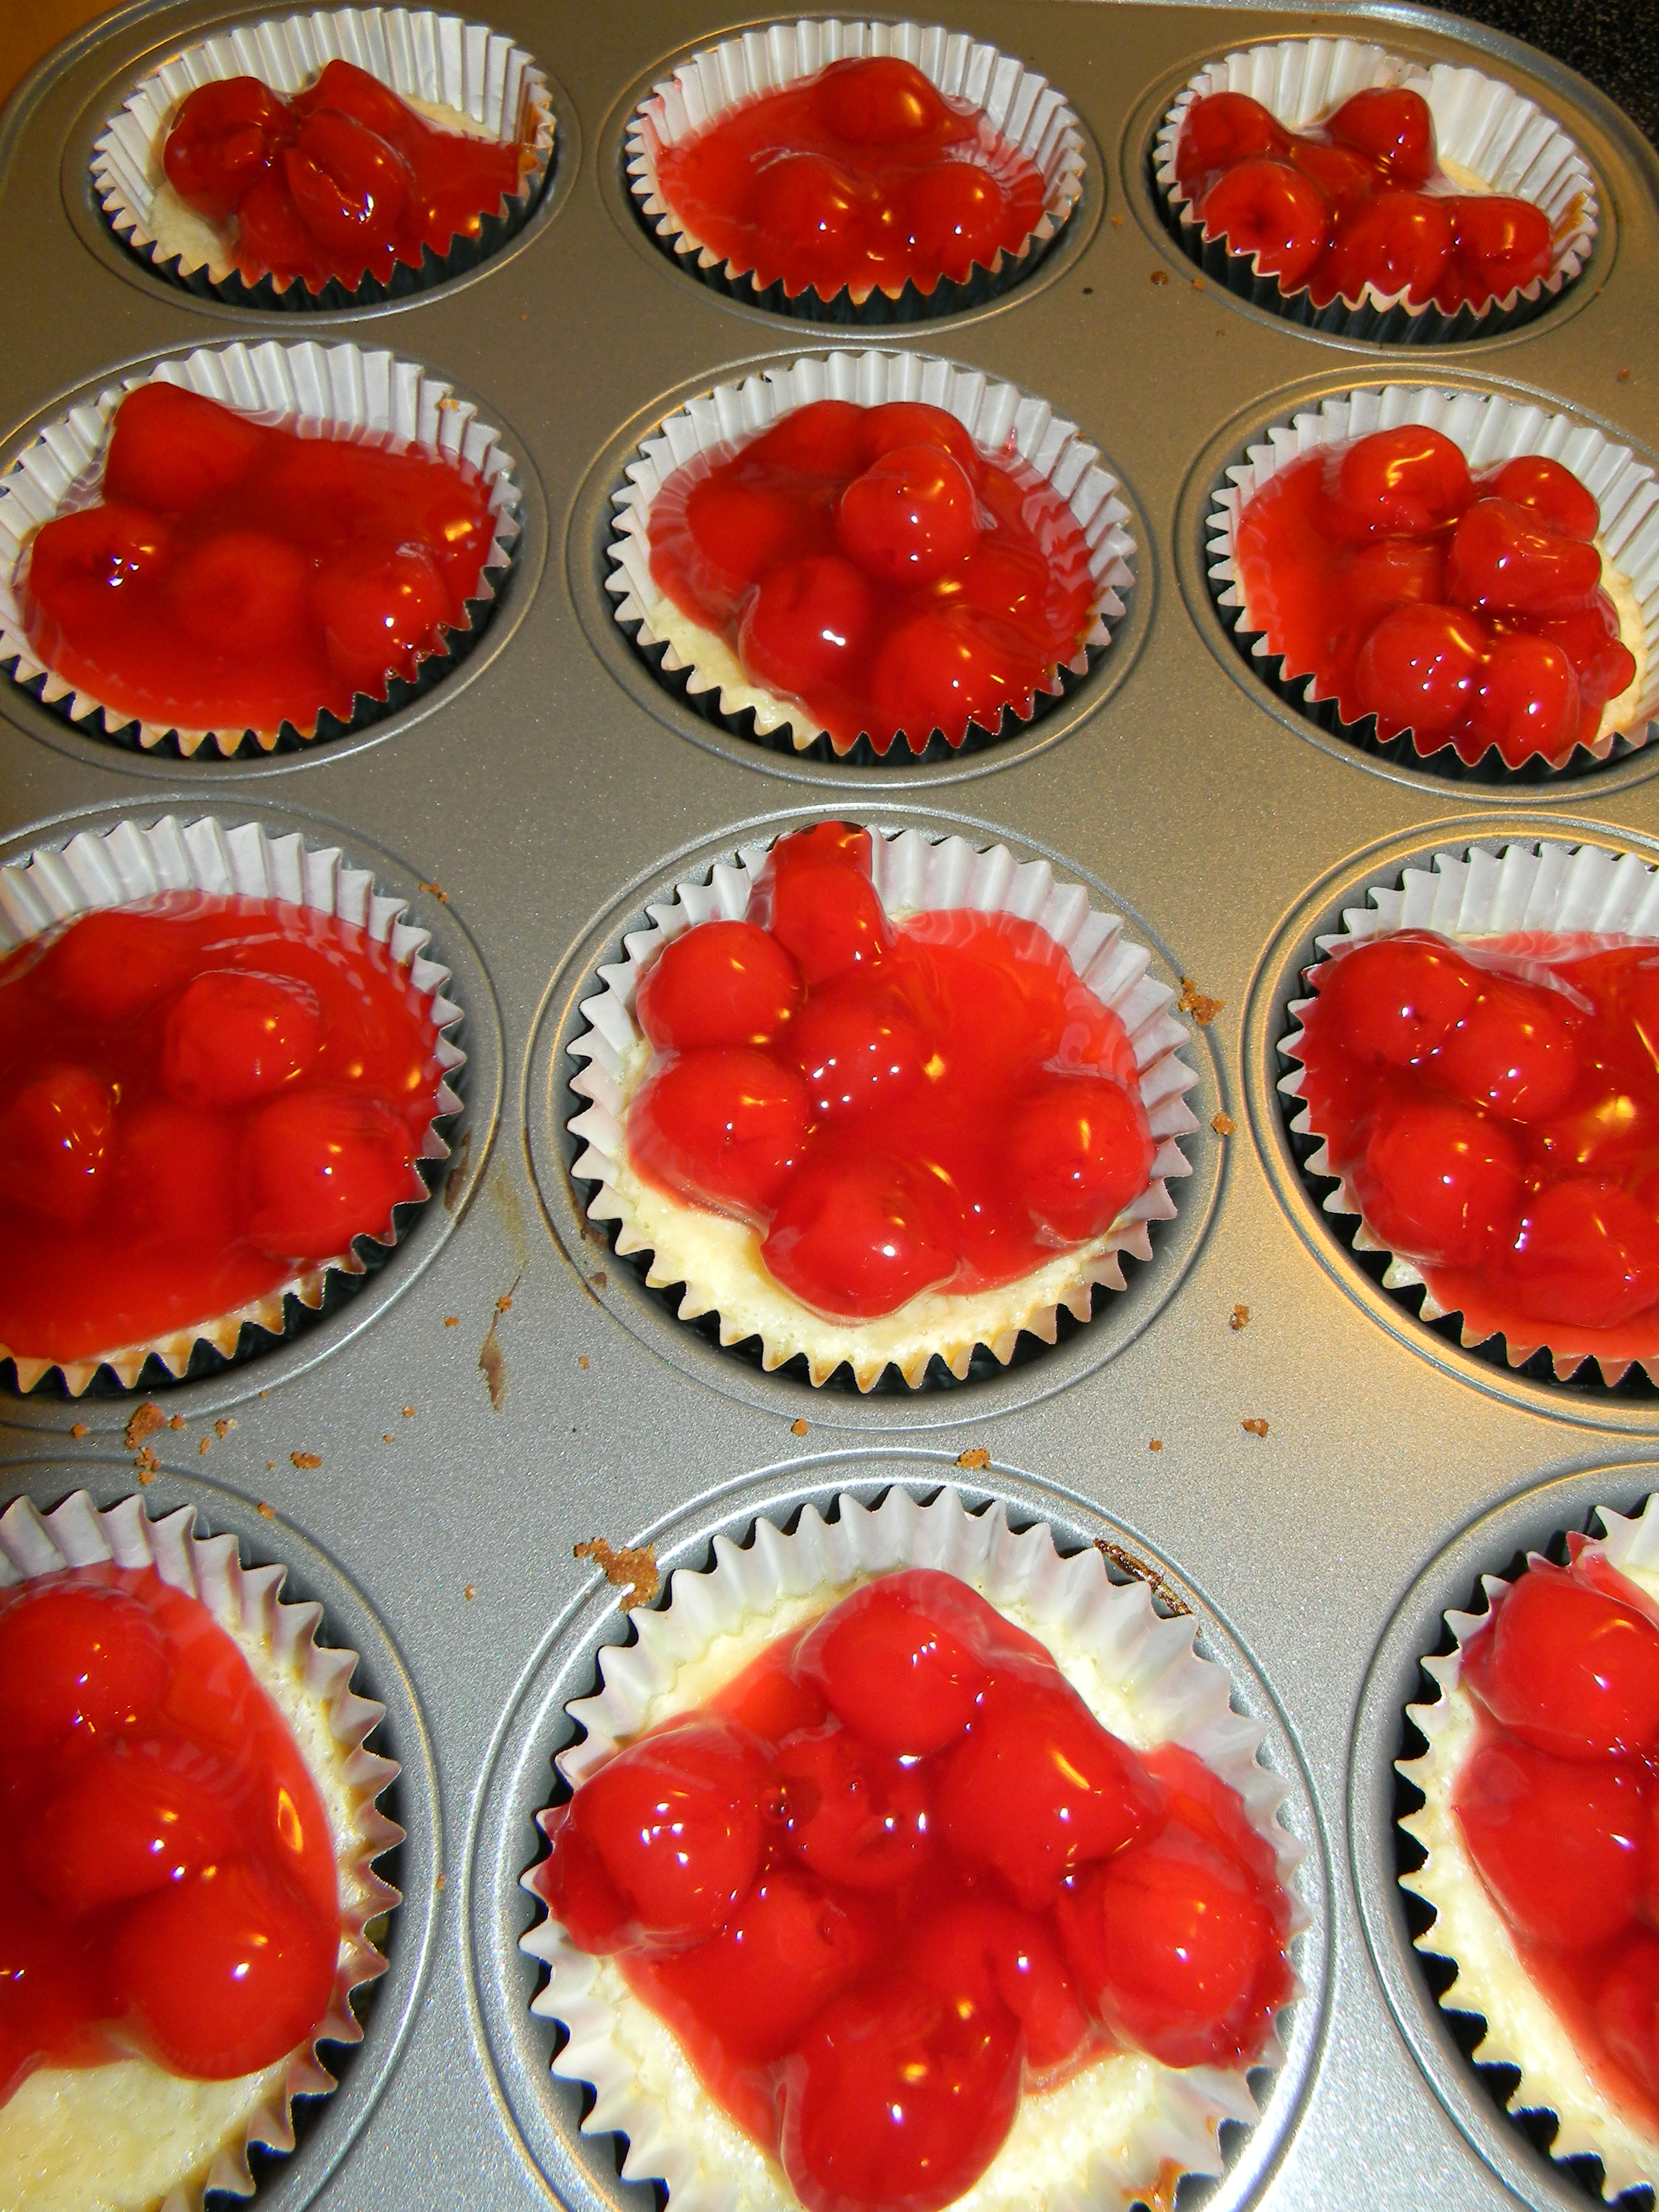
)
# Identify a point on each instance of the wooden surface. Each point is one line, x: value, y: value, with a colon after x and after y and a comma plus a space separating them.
x: 29, y: 29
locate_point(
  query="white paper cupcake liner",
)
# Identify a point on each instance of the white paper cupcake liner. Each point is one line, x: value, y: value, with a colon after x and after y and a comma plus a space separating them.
x: 423, y: 56
x: 911, y: 875
x: 245, y: 1602
x: 132, y: 862
x: 1135, y: 1668
x: 1490, y: 429
x: 1002, y: 420
x: 1545, y: 888
x: 1482, y: 127
x: 348, y: 387
x: 1021, y: 106
x: 1521, y: 2030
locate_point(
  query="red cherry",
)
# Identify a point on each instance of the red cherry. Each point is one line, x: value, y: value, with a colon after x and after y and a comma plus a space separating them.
x: 854, y: 1816
x: 944, y: 668
x: 1557, y: 1841
x: 860, y: 1235
x: 124, y: 1824
x: 56, y: 1134
x: 809, y: 623
x: 827, y: 437
x: 76, y: 561
x: 1178, y: 1952
x: 323, y: 1166
x: 1552, y: 493
x: 991, y: 1952
x: 742, y: 531
x: 225, y: 1970
x: 172, y: 1166
x: 1503, y: 560
x: 1222, y: 128
x: 109, y: 966
x: 1039, y: 1788
x: 171, y: 450
x: 1626, y: 2011
x: 880, y: 101
x: 911, y: 423
x: 955, y: 215
x: 74, y: 1654
x: 240, y: 591
x: 223, y: 136
x: 1393, y: 126
x: 1529, y: 700
x: 270, y: 238
x: 676, y: 1821
x: 51, y: 1982
x: 1419, y: 669
x: 1397, y: 998
x: 234, y: 1036
x: 899, y: 2098
x: 1343, y: 177
x: 1391, y: 572
x: 1504, y: 244
x: 1014, y: 586
x: 825, y: 909
x: 809, y: 210
x: 1515, y: 1050
x: 787, y: 1952
x: 1570, y: 1669
x: 1078, y: 1151
x: 1266, y: 207
x: 382, y: 607
x: 722, y: 983
x: 1441, y: 1184
x: 1398, y: 243
x: 900, y: 1662
x: 348, y: 90
x: 728, y: 1126
x: 860, y: 1047
x: 1588, y: 1253
x: 910, y: 516
x: 348, y: 187
x: 1403, y: 481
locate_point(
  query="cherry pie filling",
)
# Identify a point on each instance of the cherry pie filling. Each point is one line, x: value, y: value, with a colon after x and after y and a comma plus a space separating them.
x: 1557, y: 1804
x: 1360, y: 199
x: 168, y: 1878
x: 1466, y: 607
x: 1494, y: 1107
x: 873, y: 564
x: 200, y: 1098
x: 896, y: 1874
x: 344, y: 180
x: 937, y: 1103
x: 237, y: 575
x: 865, y: 177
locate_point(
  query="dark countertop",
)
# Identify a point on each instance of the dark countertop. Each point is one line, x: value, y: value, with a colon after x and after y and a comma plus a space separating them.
x: 1615, y: 43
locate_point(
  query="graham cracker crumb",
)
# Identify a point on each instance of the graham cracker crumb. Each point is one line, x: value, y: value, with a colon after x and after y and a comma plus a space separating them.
x: 452, y: 1320
x: 468, y: 1592
x: 581, y: 1360
x: 145, y: 1423
x: 79, y: 1429
x: 439, y: 1883
x: 1623, y: 376
x: 1257, y: 1428
x: 388, y: 1440
x: 977, y: 1456
x: 1193, y: 1002
x: 490, y: 1361
x: 442, y: 897
x: 1164, y: 1593
x: 631, y: 1568
x: 270, y: 1466
x: 408, y: 1412
x: 1117, y: 222
x: 1155, y: 1443
x: 223, y: 1428
x: 269, y: 1511
x: 601, y: 1280
x: 148, y: 1465
x: 1238, y: 1317
x: 1223, y: 1124
x: 797, y: 1428
x: 177, y: 1422
x: 1198, y: 283
x: 1160, y: 276
x: 307, y: 1459
x: 202, y: 1448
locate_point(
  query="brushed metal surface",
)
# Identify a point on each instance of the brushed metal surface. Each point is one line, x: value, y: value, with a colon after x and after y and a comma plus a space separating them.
x: 547, y: 793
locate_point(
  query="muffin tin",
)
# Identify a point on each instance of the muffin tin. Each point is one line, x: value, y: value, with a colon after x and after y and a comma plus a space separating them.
x: 531, y: 804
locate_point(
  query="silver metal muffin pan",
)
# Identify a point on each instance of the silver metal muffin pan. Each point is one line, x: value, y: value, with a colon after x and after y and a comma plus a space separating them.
x: 549, y: 788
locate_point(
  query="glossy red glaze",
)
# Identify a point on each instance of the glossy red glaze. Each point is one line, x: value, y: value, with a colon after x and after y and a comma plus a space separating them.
x: 1557, y: 1802
x: 873, y: 564
x: 200, y: 1098
x: 939, y: 1102
x: 883, y: 1984
x: 1359, y: 200
x: 346, y: 180
x: 863, y: 177
x: 168, y: 1875
x: 237, y: 575
x: 1467, y: 609
x: 1495, y: 1108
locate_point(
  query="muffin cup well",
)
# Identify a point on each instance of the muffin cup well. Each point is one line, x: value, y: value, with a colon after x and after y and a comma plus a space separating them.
x: 132, y: 862
x: 1519, y: 2029
x: 423, y: 56
x: 911, y: 875
x: 1484, y: 127
x: 1546, y: 889
x: 1490, y: 429
x: 245, y: 1602
x: 1021, y: 106
x: 998, y: 417
x: 346, y: 387
x: 1136, y: 1669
